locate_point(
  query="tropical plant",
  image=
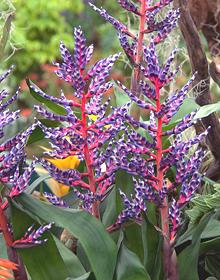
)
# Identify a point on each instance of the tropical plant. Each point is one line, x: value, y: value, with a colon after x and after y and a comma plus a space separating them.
x: 135, y: 173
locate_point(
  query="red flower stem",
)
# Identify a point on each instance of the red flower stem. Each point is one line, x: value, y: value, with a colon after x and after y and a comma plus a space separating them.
x: 20, y: 273
x: 91, y: 176
x: 164, y: 214
x: 4, y: 228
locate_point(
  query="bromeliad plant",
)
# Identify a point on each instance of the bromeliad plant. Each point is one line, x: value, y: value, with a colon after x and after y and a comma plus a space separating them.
x: 149, y: 160
x: 81, y: 136
x: 98, y: 142
x: 161, y: 166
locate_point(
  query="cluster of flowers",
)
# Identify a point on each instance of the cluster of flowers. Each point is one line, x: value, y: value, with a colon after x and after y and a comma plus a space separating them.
x: 12, y: 157
x: 147, y: 160
x: 85, y: 136
x: 86, y: 131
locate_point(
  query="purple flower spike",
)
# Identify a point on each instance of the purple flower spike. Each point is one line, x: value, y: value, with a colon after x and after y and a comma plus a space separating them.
x: 134, y: 98
x: 70, y: 177
x: 130, y: 50
x: 88, y: 53
x: 164, y: 72
x: 175, y: 217
x: 6, y: 74
x: 104, y: 65
x: 20, y: 184
x: 80, y: 49
x: 66, y: 56
x: 53, y: 199
x: 152, y: 70
x: 126, y: 4
x: 166, y: 26
x: 173, y: 103
x: 32, y: 237
x: 62, y: 101
x: 117, y: 24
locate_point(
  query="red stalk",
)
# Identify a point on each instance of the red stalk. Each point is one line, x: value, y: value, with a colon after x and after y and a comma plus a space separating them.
x: 169, y: 266
x: 91, y: 177
x: 4, y: 228
x: 20, y: 273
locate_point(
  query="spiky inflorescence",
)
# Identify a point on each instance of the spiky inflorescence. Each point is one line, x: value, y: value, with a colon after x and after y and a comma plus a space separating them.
x: 32, y: 237
x: 12, y: 157
x: 133, y: 148
x: 143, y: 158
x: 86, y: 135
x: 146, y: 158
x: 11, y: 150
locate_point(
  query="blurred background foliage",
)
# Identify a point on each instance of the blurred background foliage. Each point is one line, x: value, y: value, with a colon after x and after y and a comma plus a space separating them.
x: 39, y: 26
x: 37, y: 29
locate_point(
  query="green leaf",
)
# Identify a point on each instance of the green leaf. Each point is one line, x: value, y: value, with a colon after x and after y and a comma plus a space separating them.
x: 133, y: 240
x: 111, y: 210
x: 48, y: 103
x: 129, y: 266
x: 5, y: 34
x: 37, y: 134
x: 36, y: 183
x: 189, y: 105
x: 211, y: 231
x: 212, y: 265
x: 83, y: 277
x: 212, y: 245
x: 3, y: 248
x: 121, y: 97
x: 152, y: 247
x: 71, y: 261
x: 124, y: 182
x: 206, y: 110
x: 95, y: 240
x: 188, y: 258
x: 43, y: 262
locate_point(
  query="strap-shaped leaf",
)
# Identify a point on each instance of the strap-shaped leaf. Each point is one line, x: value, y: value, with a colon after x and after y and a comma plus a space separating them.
x: 48, y: 103
x: 42, y: 262
x: 97, y: 244
x: 129, y: 266
x: 188, y: 258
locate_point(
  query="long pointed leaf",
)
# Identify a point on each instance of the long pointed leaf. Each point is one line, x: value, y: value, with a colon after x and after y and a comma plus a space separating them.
x: 97, y: 243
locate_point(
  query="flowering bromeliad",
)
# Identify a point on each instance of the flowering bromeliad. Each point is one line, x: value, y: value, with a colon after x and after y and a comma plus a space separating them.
x: 83, y: 136
x: 146, y: 159
x: 94, y: 136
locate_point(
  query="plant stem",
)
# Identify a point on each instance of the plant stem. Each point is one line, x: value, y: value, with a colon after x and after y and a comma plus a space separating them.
x: 91, y: 177
x: 4, y: 228
x: 160, y: 176
x: 20, y: 273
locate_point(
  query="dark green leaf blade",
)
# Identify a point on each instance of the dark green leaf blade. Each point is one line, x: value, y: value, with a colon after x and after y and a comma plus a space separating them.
x: 98, y: 245
x: 188, y: 258
x: 71, y: 261
x: 129, y: 266
x: 43, y: 262
x: 48, y: 103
